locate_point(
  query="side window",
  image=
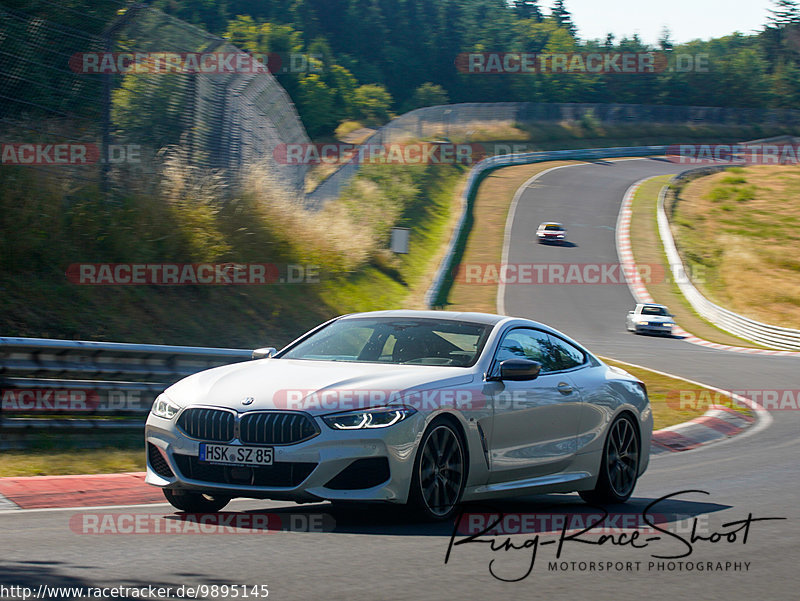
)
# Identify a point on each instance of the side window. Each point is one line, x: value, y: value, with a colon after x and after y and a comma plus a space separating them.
x: 524, y: 343
x: 568, y: 355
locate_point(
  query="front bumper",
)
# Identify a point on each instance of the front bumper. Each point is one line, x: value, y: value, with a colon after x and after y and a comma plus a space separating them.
x: 654, y: 329
x: 303, y: 471
x: 550, y: 238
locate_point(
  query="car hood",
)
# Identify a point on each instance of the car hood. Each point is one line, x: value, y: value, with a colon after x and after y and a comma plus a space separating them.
x: 312, y: 386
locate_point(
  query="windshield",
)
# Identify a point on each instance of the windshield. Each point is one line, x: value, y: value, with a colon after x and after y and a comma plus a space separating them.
x: 654, y: 311
x: 553, y: 227
x: 395, y: 340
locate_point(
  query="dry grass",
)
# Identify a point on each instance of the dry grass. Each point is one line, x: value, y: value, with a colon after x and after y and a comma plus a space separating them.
x: 333, y: 238
x: 741, y: 229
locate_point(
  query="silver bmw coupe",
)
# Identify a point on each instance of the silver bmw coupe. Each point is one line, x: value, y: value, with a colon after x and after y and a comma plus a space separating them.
x: 425, y: 408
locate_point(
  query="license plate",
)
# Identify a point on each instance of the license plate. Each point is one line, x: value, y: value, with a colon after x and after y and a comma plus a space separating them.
x: 235, y: 455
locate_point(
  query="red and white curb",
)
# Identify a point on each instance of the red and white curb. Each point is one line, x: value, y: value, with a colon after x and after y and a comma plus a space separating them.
x: 640, y: 292
x: 717, y: 424
x: 7, y: 504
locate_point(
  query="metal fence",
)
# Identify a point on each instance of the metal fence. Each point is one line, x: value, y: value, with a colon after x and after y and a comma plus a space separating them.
x: 224, y: 120
x: 465, y: 121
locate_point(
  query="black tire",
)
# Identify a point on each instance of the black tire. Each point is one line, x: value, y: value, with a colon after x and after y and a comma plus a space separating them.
x: 619, y: 466
x: 440, y: 472
x: 195, y: 502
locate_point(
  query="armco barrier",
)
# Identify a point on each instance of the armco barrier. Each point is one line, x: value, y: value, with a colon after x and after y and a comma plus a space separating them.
x: 64, y: 383
x: 744, y: 327
x: 436, y: 296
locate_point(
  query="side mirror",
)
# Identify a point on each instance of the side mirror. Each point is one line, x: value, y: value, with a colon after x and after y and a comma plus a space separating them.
x: 264, y: 353
x: 519, y: 369
x: 631, y: 312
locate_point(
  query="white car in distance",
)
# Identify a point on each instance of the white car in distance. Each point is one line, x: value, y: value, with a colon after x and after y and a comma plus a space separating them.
x: 650, y: 318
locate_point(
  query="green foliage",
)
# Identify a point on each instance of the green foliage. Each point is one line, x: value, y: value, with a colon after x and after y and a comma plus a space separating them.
x: 316, y: 102
x: 372, y: 104
x: 408, y: 49
x: 428, y: 94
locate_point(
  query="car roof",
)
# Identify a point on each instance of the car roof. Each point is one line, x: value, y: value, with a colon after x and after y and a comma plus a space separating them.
x: 466, y: 316
x: 546, y: 223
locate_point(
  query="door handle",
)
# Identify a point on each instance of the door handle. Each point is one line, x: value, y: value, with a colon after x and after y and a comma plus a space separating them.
x: 564, y: 388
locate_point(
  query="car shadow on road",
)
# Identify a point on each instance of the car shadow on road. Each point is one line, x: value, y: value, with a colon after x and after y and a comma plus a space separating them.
x: 659, y: 335
x: 548, y: 511
x: 564, y: 243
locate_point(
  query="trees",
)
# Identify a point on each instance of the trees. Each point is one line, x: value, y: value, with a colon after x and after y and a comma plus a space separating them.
x: 785, y: 13
x: 428, y: 94
x: 380, y: 56
x: 563, y: 17
x: 372, y: 104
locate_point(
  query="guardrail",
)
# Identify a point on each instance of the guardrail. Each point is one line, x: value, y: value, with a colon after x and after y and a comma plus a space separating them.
x: 436, y: 295
x: 75, y: 384
x: 739, y: 325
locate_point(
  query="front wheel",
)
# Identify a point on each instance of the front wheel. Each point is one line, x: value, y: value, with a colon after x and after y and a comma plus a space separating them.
x: 195, y: 502
x: 619, y: 466
x: 440, y: 472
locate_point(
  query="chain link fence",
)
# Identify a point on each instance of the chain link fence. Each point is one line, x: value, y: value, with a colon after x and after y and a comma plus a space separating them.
x: 95, y: 82
x: 463, y: 121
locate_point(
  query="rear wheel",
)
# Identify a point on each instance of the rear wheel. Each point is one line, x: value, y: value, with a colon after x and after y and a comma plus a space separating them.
x: 440, y: 472
x: 619, y: 467
x: 195, y: 502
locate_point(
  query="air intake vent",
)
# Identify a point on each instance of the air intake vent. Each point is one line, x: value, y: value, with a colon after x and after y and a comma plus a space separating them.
x: 273, y: 427
x: 208, y: 424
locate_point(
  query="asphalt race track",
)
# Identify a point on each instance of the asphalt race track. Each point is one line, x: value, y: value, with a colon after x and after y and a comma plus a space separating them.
x: 376, y: 553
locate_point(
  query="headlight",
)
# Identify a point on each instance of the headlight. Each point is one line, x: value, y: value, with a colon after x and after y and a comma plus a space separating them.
x: 383, y: 417
x: 163, y: 407
x: 642, y: 322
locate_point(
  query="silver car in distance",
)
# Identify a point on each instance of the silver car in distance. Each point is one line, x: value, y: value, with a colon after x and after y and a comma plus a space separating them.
x: 425, y: 408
